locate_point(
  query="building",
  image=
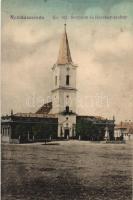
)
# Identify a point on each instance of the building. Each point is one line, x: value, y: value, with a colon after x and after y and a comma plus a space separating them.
x: 94, y: 128
x: 64, y: 90
x: 62, y: 110
x: 124, y: 130
x: 28, y: 127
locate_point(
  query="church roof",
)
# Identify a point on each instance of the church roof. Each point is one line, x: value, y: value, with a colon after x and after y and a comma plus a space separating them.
x: 64, y: 56
x: 45, y: 109
x: 34, y: 115
x: 91, y: 117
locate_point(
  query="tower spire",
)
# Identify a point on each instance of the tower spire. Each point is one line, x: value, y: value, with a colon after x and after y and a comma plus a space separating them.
x: 65, y: 27
x: 64, y: 56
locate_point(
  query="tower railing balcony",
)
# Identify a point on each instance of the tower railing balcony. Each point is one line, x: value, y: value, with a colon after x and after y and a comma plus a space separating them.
x: 65, y: 112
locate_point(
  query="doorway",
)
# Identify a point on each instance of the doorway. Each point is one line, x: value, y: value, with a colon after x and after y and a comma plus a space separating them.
x: 66, y: 135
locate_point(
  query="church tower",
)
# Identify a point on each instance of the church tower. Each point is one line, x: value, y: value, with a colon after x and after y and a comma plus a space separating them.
x: 64, y: 90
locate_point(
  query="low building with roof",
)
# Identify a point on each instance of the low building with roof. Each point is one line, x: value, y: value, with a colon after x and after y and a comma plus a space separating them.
x: 124, y: 130
x: 28, y: 127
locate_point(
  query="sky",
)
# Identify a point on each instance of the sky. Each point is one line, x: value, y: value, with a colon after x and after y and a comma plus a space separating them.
x: 101, y: 48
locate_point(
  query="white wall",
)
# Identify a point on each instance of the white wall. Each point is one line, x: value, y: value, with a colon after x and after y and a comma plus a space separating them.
x: 126, y: 135
x: 61, y: 90
x: 66, y: 121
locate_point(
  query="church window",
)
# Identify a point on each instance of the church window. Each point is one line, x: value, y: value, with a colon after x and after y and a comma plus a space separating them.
x: 67, y: 99
x: 55, y: 80
x: 67, y: 109
x: 61, y: 131
x: 67, y: 79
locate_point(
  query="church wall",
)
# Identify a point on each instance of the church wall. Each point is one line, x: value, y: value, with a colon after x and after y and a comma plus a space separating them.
x: 63, y: 94
x: 68, y: 70
x: 55, y: 102
x: 56, y: 75
x: 67, y: 98
x: 66, y: 122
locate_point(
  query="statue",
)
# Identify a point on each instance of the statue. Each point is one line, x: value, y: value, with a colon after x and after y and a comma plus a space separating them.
x: 107, y: 137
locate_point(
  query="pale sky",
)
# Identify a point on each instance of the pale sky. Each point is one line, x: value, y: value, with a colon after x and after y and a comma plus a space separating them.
x: 102, y: 49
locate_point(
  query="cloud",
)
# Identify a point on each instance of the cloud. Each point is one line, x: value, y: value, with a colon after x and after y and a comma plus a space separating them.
x: 106, y: 69
x: 19, y: 41
x: 94, y: 11
x: 122, y: 8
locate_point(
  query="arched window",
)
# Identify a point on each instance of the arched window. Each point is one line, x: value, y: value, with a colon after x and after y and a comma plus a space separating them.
x: 67, y: 109
x: 67, y: 100
x: 61, y: 131
x: 55, y: 80
x: 67, y: 79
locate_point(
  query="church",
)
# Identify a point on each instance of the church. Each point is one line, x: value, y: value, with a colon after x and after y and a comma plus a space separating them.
x: 64, y: 90
x: 58, y: 118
